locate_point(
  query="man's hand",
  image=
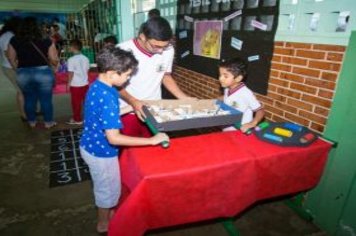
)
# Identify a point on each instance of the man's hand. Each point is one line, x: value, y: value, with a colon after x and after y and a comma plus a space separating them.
x: 137, y: 107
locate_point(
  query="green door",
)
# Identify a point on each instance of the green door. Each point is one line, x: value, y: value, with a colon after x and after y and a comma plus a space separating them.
x: 333, y: 202
x: 347, y: 222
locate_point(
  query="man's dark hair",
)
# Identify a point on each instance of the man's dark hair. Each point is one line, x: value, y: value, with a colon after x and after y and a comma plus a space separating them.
x: 157, y: 28
x: 76, y: 43
x: 116, y: 59
x: 110, y: 40
x: 154, y: 13
x: 235, y: 66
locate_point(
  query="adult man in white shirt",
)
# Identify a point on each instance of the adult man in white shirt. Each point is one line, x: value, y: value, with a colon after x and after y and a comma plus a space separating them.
x: 153, y: 50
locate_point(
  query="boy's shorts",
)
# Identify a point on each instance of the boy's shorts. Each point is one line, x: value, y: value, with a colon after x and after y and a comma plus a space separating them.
x: 105, y: 174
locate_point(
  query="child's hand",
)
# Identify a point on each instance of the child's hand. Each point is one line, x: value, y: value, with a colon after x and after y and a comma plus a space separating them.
x: 159, y: 138
x: 244, y: 128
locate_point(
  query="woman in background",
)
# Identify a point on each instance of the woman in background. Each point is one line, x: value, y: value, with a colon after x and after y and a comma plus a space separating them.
x: 32, y: 56
x: 6, y: 33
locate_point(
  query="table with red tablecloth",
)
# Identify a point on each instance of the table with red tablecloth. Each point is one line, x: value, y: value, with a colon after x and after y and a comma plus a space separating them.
x: 61, y: 80
x: 209, y: 176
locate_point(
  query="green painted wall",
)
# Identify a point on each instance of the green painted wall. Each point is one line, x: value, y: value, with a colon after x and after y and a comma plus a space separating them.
x: 119, y: 21
x: 331, y: 200
x: 48, y: 6
x: 347, y: 223
x: 127, y: 23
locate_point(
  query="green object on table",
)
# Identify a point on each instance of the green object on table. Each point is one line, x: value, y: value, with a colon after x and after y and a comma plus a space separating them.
x: 262, y: 126
x: 238, y: 126
x: 154, y: 131
x: 229, y: 226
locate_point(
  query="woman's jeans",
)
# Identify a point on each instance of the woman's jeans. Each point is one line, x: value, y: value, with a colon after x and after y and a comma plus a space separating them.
x: 36, y: 84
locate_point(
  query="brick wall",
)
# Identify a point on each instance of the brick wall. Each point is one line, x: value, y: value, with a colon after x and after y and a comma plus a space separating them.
x: 301, y: 87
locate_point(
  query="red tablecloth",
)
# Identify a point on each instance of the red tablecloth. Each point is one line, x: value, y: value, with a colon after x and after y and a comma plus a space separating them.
x: 209, y: 176
x: 62, y: 79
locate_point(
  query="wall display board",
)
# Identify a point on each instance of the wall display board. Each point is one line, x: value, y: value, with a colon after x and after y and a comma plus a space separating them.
x: 66, y: 164
x: 208, y: 31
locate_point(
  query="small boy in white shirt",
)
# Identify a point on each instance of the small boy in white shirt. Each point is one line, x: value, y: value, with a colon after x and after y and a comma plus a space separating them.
x: 78, y: 67
x: 231, y: 75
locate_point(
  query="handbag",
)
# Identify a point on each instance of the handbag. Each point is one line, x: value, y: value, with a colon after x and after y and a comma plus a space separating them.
x: 53, y: 67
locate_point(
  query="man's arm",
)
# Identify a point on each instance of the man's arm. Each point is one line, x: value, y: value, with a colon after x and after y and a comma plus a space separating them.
x: 172, y: 87
x: 134, y: 102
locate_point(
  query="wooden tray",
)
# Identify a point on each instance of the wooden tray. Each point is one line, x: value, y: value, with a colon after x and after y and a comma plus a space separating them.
x: 193, y: 123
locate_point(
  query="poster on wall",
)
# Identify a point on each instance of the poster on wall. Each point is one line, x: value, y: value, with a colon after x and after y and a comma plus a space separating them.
x: 207, y: 38
x: 210, y: 31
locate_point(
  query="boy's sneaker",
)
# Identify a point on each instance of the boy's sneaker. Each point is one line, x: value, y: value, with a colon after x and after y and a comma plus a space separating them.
x: 73, y: 122
x: 49, y: 125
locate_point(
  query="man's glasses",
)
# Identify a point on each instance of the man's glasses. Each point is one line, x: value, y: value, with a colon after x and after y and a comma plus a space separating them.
x: 158, y: 48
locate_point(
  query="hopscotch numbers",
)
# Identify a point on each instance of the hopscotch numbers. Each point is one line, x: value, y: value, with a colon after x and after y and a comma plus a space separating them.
x: 66, y: 165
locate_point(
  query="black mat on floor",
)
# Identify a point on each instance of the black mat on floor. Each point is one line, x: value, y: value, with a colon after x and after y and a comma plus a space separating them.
x: 66, y: 166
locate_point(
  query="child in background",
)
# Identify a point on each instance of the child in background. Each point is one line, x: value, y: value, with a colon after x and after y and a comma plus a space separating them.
x: 101, y: 133
x: 78, y: 67
x: 232, y: 73
x: 110, y: 40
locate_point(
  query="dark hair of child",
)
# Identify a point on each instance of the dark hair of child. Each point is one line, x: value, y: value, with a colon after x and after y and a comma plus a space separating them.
x: 110, y: 40
x: 76, y: 43
x: 236, y: 66
x: 154, y: 13
x: 115, y: 59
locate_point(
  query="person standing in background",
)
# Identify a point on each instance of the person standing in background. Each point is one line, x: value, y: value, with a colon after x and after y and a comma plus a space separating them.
x: 110, y: 41
x: 62, y: 28
x: 154, y: 13
x: 7, y: 32
x: 78, y: 67
x: 56, y: 37
x: 32, y: 56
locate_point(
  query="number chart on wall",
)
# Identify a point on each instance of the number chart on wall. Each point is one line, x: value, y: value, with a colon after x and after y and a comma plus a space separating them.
x: 208, y: 31
x: 66, y: 165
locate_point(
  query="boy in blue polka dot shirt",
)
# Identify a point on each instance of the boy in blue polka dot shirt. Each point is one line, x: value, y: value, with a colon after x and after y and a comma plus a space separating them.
x: 101, y: 135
